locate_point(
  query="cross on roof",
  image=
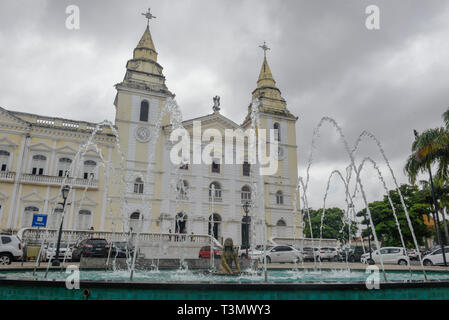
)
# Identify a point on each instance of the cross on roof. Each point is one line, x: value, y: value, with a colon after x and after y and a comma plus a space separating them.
x: 264, y: 48
x: 148, y: 16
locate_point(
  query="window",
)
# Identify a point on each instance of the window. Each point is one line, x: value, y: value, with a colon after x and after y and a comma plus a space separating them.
x: 246, y: 194
x: 138, y: 186
x: 144, y: 108
x: 89, y: 169
x: 215, y: 166
x: 38, y: 164
x: 64, y: 167
x: 6, y: 240
x: 28, y: 217
x: 134, y: 220
x: 55, y: 218
x: 214, y: 191
x: 182, y: 188
x: 246, y: 169
x: 281, y: 223
x: 277, y: 133
x: 279, y: 197
x: 4, y: 160
x: 84, y: 219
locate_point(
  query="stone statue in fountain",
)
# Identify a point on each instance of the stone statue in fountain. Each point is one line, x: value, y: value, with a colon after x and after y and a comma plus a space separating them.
x: 228, y: 256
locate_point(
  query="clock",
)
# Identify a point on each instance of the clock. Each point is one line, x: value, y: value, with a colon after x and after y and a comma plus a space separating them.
x: 142, y: 134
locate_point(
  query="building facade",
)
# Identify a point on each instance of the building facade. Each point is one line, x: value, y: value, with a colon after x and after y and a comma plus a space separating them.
x: 106, y: 166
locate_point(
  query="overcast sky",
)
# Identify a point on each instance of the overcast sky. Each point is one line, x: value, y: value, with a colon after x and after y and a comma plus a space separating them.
x: 323, y: 58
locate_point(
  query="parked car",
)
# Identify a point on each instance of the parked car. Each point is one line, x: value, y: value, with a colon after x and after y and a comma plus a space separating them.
x: 354, y: 253
x: 412, y: 254
x: 280, y: 253
x: 93, y: 247
x: 121, y: 249
x: 257, y: 250
x: 10, y: 249
x: 329, y: 254
x: 307, y: 253
x: 49, y: 252
x: 436, y: 257
x: 390, y: 255
x: 205, y: 252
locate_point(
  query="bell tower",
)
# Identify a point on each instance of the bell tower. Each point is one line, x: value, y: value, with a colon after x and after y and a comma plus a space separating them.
x: 139, y: 100
x: 281, y: 198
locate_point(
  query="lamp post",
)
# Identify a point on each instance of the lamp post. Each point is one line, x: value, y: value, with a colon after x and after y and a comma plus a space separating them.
x: 65, y: 192
x: 246, y: 206
x: 369, y: 242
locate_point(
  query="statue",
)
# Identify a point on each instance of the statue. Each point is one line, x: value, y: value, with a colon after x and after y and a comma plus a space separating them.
x: 216, y: 106
x: 229, y: 255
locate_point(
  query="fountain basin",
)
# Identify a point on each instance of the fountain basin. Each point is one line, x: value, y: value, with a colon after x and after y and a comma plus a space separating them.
x: 190, y: 285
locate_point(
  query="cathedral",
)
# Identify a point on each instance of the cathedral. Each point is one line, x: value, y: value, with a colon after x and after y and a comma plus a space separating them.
x: 39, y: 154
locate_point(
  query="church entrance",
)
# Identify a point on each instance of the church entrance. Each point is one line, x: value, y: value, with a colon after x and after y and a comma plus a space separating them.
x: 181, y: 223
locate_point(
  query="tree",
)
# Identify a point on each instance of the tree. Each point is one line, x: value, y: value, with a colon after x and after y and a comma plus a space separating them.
x: 431, y: 148
x: 332, y: 224
x: 385, y: 224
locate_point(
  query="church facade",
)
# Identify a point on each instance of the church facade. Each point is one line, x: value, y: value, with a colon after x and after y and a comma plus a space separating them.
x: 40, y: 154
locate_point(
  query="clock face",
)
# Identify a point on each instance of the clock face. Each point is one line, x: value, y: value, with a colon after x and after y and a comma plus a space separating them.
x: 143, y: 134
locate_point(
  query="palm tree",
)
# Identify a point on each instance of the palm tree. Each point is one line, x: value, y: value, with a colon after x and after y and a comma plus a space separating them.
x: 431, y: 148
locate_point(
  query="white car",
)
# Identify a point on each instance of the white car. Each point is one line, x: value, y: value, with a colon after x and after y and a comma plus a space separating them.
x: 10, y: 249
x: 435, y: 257
x: 282, y: 253
x: 330, y: 254
x: 390, y: 255
x: 49, y: 251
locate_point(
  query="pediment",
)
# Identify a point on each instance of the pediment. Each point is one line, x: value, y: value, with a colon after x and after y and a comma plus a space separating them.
x: 40, y: 147
x: 66, y: 149
x: 33, y: 196
x: 85, y: 200
x: 6, y: 142
x: 7, y: 116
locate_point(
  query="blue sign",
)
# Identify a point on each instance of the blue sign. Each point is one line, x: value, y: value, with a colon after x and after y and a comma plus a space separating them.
x: 39, y: 220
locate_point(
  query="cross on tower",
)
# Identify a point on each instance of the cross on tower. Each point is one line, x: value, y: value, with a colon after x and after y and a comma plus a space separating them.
x: 264, y: 48
x: 148, y: 16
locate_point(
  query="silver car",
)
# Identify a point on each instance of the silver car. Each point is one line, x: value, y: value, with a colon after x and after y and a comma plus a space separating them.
x: 283, y: 254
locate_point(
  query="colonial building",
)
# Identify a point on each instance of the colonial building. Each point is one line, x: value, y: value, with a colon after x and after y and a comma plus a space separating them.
x: 106, y: 166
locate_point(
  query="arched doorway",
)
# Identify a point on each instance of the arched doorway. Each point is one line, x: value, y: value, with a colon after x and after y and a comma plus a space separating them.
x: 181, y: 223
x: 214, y: 225
x: 246, y: 223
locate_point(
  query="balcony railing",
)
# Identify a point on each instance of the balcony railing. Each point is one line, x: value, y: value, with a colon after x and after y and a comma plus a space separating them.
x: 7, y: 176
x: 57, y: 181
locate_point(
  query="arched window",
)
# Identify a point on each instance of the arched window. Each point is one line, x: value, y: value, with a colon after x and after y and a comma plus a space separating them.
x: 38, y: 164
x: 279, y: 197
x: 214, y: 191
x: 89, y: 169
x: 246, y: 169
x: 4, y: 160
x: 182, y: 189
x: 246, y: 194
x: 214, y: 225
x: 144, y: 109
x: 84, y: 219
x: 55, y: 218
x: 134, y: 221
x: 215, y: 166
x: 277, y: 134
x: 28, y: 215
x: 64, y: 167
x: 281, y: 223
x: 138, y: 186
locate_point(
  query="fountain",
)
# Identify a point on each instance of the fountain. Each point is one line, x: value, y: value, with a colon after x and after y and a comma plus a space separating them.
x: 188, y: 279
